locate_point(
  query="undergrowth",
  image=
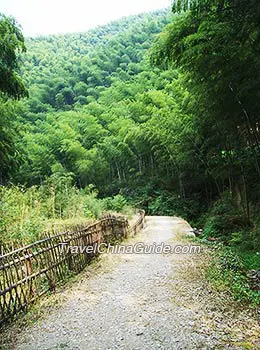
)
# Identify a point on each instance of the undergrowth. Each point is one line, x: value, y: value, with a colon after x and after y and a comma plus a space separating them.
x: 228, y: 271
x: 56, y: 205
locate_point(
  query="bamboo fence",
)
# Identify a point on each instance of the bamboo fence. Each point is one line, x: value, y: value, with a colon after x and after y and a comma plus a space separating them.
x: 29, y: 272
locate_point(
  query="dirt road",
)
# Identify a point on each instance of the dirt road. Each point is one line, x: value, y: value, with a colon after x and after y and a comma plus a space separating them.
x: 152, y: 301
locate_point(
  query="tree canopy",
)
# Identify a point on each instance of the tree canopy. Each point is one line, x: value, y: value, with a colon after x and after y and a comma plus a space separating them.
x: 162, y: 108
x: 11, y: 43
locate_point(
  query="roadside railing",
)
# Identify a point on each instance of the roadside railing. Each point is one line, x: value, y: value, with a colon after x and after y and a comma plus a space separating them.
x: 29, y: 272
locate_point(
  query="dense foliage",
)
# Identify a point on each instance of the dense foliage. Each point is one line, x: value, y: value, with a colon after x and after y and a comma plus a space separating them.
x: 90, y: 96
x: 215, y: 44
x: 11, y: 43
x: 171, y: 123
x: 55, y: 206
x: 70, y: 133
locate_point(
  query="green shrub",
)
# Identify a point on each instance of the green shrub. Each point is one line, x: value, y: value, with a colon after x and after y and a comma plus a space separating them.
x: 167, y: 203
x: 116, y: 203
x: 93, y: 207
x: 225, y: 220
x: 228, y: 271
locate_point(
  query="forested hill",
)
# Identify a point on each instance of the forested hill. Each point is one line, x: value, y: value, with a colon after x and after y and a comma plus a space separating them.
x: 67, y: 70
x: 158, y: 110
x: 162, y: 108
x: 91, y: 97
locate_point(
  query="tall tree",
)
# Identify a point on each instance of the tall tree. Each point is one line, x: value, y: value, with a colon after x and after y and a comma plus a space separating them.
x: 11, y: 43
x: 216, y: 43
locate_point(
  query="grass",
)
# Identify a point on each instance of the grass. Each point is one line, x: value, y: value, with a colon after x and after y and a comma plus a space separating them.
x: 27, y: 212
x: 251, y: 260
x: 236, y: 249
x: 229, y: 271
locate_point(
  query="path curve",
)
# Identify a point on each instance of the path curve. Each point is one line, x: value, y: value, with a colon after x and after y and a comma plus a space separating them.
x: 132, y: 304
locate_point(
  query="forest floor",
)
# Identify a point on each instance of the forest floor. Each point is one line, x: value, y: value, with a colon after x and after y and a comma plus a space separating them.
x: 138, y: 301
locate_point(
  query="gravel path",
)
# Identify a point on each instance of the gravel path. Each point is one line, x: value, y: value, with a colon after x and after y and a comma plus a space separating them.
x: 142, y: 302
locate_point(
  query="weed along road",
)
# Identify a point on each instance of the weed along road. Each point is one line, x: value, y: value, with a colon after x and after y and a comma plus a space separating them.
x: 142, y: 300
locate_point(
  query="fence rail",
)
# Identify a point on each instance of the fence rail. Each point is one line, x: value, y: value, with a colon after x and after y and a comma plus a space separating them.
x: 29, y: 272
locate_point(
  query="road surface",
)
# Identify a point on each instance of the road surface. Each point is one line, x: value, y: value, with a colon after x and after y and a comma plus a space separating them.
x: 143, y: 301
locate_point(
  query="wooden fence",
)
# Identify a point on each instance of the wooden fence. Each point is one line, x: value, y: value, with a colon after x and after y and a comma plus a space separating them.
x: 29, y: 272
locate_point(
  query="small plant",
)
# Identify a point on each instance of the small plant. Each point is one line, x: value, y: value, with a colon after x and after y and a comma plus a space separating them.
x: 116, y: 203
x: 228, y: 272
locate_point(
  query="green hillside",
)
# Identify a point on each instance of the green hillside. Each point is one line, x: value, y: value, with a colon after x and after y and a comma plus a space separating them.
x: 89, y: 94
x: 159, y: 110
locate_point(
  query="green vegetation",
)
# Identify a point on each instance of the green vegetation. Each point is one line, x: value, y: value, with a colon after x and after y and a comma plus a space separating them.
x: 61, y: 147
x: 56, y: 205
x: 228, y: 271
x: 215, y: 46
x: 160, y: 109
x: 11, y: 43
